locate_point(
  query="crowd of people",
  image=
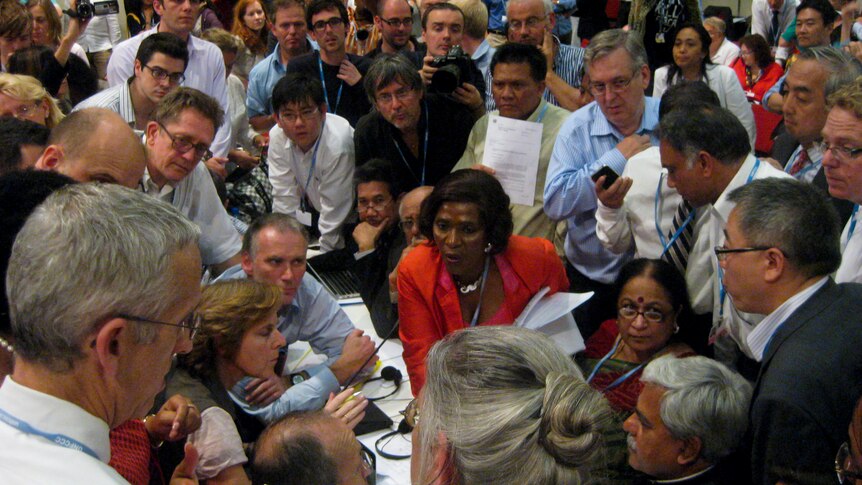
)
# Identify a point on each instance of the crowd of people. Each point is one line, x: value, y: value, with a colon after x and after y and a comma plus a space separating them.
x: 161, y: 196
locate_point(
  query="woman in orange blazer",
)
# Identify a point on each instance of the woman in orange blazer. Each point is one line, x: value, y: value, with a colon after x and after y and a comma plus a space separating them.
x: 472, y: 271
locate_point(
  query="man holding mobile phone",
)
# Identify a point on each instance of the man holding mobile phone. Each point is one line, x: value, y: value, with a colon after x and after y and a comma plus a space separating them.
x: 609, y: 132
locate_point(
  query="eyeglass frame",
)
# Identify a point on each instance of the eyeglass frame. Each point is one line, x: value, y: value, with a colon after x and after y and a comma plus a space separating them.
x: 24, y: 110
x: 637, y: 312
x: 160, y: 74
x: 306, y: 114
x: 333, y: 23
x: 397, y: 23
x: 721, y: 252
x: 193, y: 328
x: 372, y: 205
x: 206, y: 155
x: 842, y: 154
x: 842, y: 473
x: 530, y: 23
x: 617, y: 86
x: 411, y: 413
x: 403, y: 95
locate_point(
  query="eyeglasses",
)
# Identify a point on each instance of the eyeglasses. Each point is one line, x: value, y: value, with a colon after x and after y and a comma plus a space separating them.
x: 406, y: 21
x: 630, y: 312
x: 202, y: 151
x: 529, y: 23
x: 721, y: 252
x: 26, y: 110
x: 369, y: 465
x: 411, y: 414
x: 402, y: 95
x: 616, y: 86
x: 292, y: 116
x: 160, y: 74
x: 378, y: 204
x: 191, y: 322
x: 843, y: 465
x: 407, y: 225
x: 333, y: 23
x: 842, y: 154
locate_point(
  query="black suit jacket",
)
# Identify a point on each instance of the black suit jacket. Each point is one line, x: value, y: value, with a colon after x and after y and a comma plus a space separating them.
x: 783, y: 148
x: 810, y: 379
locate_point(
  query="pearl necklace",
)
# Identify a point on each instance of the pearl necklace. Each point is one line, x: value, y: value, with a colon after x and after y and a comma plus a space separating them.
x: 6, y: 345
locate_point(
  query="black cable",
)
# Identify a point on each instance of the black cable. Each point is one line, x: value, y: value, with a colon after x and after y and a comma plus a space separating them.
x: 388, y: 336
x: 403, y: 428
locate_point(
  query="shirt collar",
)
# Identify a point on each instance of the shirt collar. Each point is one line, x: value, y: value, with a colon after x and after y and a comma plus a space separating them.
x: 759, y: 338
x: 126, y: 109
x: 534, y: 116
x: 149, y: 187
x: 602, y: 127
x: 51, y: 414
x: 722, y: 205
x: 482, y: 50
x: 683, y: 479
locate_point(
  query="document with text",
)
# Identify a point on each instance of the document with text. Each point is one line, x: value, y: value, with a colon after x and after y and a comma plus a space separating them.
x: 512, y: 149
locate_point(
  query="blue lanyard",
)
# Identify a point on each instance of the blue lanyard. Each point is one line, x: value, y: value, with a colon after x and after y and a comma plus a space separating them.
x: 852, y: 223
x: 311, y: 169
x: 57, y: 439
x: 481, y: 292
x: 657, y: 216
x: 542, y: 113
x: 811, y: 166
x: 325, y: 94
x: 424, y: 148
x: 722, y: 292
x: 619, y: 379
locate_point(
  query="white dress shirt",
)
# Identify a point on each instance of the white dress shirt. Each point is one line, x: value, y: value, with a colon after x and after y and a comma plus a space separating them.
x: 850, y: 270
x: 808, y: 172
x: 102, y: 33
x: 633, y: 226
x: 761, y: 18
x: 195, y: 197
x: 204, y: 72
x: 726, y: 318
x: 727, y: 53
x: 760, y: 337
x: 330, y: 189
x: 28, y: 458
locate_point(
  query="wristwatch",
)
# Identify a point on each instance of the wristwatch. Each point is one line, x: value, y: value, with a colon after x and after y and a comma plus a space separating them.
x: 299, y: 378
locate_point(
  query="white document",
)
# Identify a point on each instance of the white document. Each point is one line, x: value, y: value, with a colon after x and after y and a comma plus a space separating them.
x: 552, y: 315
x: 512, y: 149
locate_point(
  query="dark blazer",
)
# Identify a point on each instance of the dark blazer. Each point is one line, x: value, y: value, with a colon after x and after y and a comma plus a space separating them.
x: 810, y: 379
x: 783, y: 148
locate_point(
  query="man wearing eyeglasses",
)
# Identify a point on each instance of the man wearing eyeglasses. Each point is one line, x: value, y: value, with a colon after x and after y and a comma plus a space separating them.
x: 531, y: 22
x: 177, y: 139
x: 205, y: 70
x: 608, y: 132
x: 116, y: 326
x: 842, y: 164
x: 311, y: 159
x: 394, y: 20
x: 159, y: 67
x: 706, y: 155
x: 340, y: 73
x: 780, y: 245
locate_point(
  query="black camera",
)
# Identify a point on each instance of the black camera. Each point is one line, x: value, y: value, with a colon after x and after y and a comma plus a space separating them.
x: 451, y: 71
x: 362, y: 34
x: 85, y: 9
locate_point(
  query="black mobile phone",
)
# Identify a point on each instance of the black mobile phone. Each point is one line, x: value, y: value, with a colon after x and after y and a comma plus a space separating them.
x: 610, y: 176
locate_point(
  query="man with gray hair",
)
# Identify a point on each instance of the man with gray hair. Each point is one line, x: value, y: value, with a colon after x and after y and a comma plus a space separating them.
x: 781, y: 244
x: 102, y: 285
x: 691, y: 415
x: 706, y: 154
x: 817, y: 73
x: 606, y: 133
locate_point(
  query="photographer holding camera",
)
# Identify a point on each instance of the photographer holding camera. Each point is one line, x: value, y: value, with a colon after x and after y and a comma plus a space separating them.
x: 445, y: 68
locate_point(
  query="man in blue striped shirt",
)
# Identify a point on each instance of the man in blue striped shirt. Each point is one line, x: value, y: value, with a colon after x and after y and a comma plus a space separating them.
x: 607, y: 132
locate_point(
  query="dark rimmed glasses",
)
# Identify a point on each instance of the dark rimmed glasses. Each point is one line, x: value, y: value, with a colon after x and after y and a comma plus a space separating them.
x: 202, y: 151
x: 721, y: 252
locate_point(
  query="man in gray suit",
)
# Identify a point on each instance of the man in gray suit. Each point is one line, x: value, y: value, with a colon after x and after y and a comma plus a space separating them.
x: 781, y: 246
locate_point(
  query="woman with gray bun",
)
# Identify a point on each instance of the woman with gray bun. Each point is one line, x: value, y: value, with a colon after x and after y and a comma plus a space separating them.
x: 504, y: 405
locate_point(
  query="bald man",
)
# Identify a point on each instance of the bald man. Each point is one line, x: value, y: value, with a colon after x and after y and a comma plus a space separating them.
x: 95, y: 145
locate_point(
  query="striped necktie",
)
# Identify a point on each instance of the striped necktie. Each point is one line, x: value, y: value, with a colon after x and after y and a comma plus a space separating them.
x: 677, y: 253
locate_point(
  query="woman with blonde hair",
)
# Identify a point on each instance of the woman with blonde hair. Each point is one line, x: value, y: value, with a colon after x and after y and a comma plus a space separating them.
x: 251, y: 25
x: 505, y: 405
x: 24, y: 98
